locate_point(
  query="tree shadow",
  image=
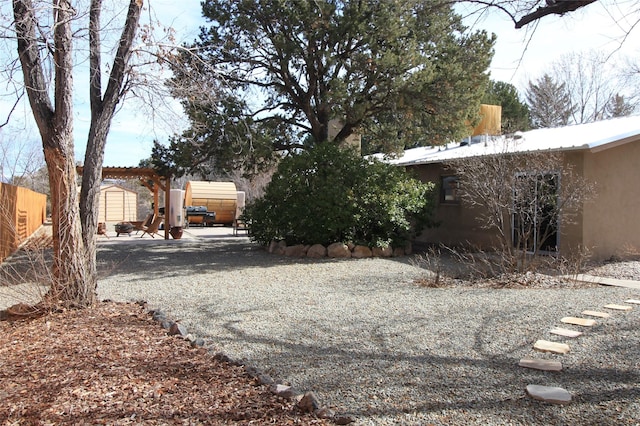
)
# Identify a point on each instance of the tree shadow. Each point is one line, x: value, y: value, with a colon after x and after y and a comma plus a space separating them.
x: 195, y: 257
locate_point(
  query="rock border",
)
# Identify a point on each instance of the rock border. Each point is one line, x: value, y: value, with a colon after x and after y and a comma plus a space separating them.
x: 305, y: 401
x: 336, y: 250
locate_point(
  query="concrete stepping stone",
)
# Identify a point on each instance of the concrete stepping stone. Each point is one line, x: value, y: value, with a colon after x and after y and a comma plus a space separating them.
x: 549, y: 394
x: 634, y: 301
x: 547, y: 346
x: 579, y: 321
x: 596, y: 314
x: 565, y: 332
x: 618, y: 307
x: 541, y: 364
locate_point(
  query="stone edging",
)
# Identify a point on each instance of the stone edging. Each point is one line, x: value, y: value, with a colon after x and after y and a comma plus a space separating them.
x: 305, y: 401
x: 337, y: 250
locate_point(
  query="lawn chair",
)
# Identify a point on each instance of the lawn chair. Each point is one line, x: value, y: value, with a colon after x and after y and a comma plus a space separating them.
x: 153, y: 228
x: 139, y: 226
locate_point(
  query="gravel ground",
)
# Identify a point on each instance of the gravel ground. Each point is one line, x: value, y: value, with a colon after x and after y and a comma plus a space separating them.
x: 626, y: 270
x: 372, y: 343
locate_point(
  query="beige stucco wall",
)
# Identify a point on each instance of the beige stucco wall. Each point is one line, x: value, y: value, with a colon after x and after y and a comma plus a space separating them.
x: 570, y: 225
x: 607, y: 225
x: 457, y: 222
x: 612, y: 218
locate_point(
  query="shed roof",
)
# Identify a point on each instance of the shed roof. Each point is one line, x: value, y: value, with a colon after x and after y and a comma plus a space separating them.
x: 596, y: 136
x: 106, y: 186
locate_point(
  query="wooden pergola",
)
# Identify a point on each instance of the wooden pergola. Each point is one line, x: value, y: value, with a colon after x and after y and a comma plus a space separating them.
x: 147, y: 177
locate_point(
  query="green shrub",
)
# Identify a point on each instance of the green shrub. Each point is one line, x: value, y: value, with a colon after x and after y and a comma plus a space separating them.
x: 327, y: 194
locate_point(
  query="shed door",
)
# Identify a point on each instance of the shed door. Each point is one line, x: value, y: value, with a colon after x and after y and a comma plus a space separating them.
x: 114, y: 206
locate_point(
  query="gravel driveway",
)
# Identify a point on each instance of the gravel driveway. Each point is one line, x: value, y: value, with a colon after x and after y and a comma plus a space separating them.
x: 371, y: 343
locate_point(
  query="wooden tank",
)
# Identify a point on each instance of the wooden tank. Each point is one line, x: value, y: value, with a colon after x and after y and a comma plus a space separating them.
x: 218, y: 197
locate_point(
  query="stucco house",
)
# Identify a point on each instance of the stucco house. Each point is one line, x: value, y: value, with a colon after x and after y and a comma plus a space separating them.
x: 605, y: 152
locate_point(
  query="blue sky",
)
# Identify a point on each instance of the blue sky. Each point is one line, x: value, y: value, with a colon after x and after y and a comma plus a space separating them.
x: 597, y: 27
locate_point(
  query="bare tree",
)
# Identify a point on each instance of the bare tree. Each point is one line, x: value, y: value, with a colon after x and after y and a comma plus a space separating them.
x: 45, y: 41
x: 549, y: 102
x: 550, y: 7
x: 593, y: 82
x: 20, y: 156
x: 521, y: 197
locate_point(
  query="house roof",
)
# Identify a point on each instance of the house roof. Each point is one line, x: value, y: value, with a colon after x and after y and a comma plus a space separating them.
x: 596, y: 136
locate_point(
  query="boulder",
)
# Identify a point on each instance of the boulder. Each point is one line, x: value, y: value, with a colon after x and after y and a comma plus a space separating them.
x: 325, y: 413
x: 299, y: 250
x: 198, y: 342
x: 277, y: 247
x: 386, y: 251
x: 317, y: 251
x: 550, y: 394
x: 309, y: 403
x: 177, y: 329
x: 360, y: 252
x: 338, y: 250
x: 408, y: 248
x: 283, y: 391
x: 265, y: 379
x: 398, y: 252
x: 341, y: 419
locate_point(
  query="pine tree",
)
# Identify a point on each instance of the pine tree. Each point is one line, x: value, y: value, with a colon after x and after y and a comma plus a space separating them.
x: 618, y: 107
x: 515, y: 113
x: 549, y: 103
x: 397, y: 72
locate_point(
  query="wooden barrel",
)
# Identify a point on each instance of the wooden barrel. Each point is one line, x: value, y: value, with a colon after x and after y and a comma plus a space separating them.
x: 218, y: 197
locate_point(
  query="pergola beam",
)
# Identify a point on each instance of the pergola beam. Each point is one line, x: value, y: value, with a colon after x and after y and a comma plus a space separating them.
x: 150, y: 179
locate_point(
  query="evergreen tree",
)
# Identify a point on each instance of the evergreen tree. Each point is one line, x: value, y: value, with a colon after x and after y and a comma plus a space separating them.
x: 549, y: 103
x: 618, y: 107
x: 515, y: 113
x: 400, y: 73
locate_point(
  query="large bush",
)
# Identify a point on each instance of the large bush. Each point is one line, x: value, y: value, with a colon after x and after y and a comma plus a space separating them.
x: 327, y: 194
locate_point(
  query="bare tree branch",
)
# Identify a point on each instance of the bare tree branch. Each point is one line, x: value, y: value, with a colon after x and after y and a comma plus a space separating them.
x: 554, y: 7
x: 13, y: 108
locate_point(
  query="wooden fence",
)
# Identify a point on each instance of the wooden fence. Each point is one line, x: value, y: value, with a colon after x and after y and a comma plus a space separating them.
x: 22, y: 212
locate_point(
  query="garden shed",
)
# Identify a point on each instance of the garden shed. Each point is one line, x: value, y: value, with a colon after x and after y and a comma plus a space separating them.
x: 117, y: 204
x: 218, y: 197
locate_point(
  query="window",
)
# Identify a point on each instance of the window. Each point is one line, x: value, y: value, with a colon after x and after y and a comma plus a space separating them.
x: 535, y: 212
x: 450, y: 190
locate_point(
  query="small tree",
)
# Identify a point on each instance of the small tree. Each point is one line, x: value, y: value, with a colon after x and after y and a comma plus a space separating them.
x: 618, y: 107
x: 549, y: 103
x: 327, y: 194
x: 521, y: 197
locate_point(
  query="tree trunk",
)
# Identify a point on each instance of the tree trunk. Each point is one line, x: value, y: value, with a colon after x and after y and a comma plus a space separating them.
x: 102, y: 111
x: 70, y: 286
x: 90, y: 193
x: 74, y: 221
